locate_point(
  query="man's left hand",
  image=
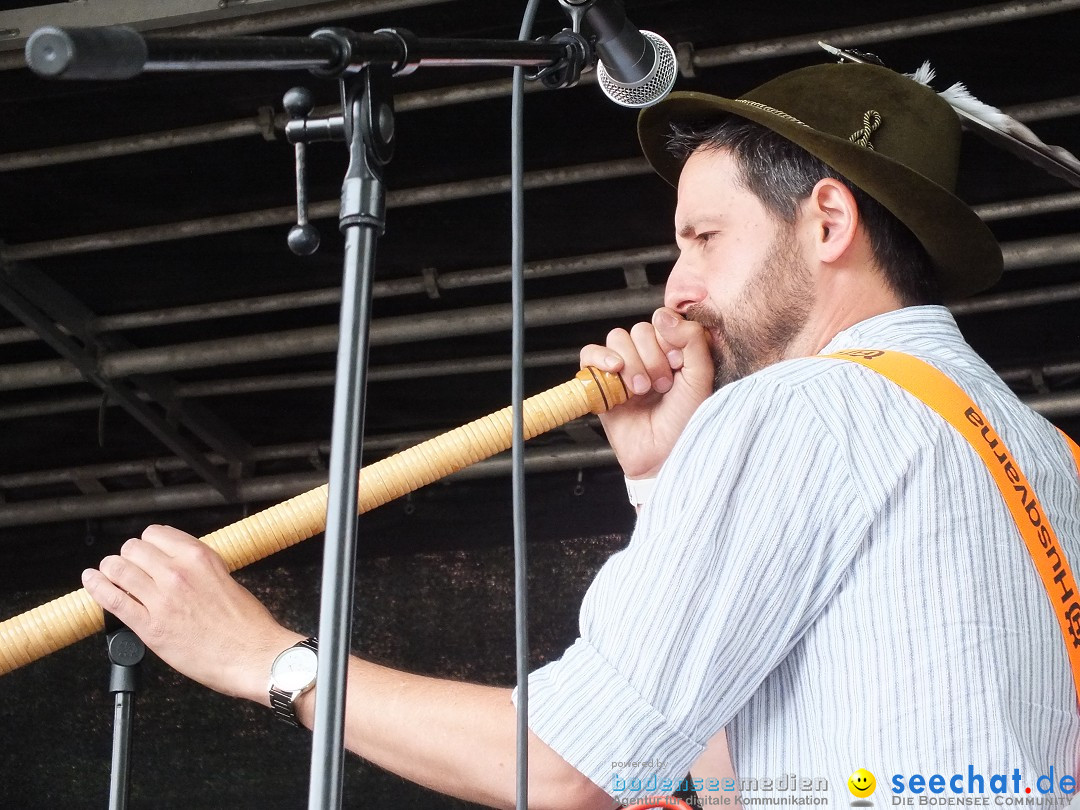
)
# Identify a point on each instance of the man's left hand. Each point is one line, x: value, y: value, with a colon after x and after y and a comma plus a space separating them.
x: 176, y: 594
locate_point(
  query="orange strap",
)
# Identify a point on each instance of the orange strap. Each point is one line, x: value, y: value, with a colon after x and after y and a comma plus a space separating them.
x: 934, y: 388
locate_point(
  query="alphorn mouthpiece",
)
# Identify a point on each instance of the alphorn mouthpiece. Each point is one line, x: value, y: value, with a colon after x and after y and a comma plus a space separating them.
x: 603, y: 389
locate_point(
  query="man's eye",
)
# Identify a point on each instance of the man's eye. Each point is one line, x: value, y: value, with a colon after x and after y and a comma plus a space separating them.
x: 706, y: 237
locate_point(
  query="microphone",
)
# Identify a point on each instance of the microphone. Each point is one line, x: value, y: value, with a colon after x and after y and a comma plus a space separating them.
x: 635, y: 68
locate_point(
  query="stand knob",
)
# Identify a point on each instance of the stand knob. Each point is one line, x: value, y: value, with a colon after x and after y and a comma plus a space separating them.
x: 303, y: 237
x: 298, y: 102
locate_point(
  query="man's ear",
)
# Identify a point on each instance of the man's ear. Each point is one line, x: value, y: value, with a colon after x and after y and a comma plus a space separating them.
x: 832, y: 216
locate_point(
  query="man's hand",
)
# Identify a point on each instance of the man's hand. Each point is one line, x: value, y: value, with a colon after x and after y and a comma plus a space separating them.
x: 667, y: 367
x: 176, y: 594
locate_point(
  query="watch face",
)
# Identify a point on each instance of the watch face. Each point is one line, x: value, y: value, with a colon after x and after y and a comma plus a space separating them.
x: 294, y: 669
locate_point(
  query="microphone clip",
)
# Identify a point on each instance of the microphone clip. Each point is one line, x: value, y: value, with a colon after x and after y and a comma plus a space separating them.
x: 577, y: 55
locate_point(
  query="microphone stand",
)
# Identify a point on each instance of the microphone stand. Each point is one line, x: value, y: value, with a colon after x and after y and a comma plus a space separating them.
x: 368, y: 128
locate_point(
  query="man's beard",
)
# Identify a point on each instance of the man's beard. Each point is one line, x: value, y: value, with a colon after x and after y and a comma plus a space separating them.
x: 758, y: 328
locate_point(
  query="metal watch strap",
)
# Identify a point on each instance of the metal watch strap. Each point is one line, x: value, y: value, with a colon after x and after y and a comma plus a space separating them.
x: 284, y: 703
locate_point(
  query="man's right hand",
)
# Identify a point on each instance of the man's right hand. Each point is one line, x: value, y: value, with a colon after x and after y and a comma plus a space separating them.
x: 668, y: 369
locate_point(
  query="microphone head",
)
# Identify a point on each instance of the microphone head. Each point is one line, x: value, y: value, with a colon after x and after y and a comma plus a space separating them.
x: 653, y: 87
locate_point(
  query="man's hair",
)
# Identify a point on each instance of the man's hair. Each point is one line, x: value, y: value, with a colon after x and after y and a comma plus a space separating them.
x: 781, y: 173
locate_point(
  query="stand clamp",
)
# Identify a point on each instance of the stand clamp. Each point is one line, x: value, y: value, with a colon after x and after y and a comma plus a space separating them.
x: 567, y: 71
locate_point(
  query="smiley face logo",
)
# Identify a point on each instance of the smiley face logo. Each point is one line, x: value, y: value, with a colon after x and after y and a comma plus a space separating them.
x: 861, y: 783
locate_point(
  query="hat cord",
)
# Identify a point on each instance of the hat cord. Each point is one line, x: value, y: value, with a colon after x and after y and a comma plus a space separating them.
x: 871, y: 120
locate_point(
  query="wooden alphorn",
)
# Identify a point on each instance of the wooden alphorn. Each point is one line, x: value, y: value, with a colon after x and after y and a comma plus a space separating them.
x: 56, y: 624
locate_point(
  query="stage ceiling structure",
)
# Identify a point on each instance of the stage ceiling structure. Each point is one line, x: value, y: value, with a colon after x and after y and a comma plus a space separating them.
x: 143, y: 257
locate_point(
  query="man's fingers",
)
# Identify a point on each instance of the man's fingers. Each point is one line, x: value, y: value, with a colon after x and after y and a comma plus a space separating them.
x: 686, y: 343
x: 645, y: 358
x: 187, y: 550
x: 657, y: 368
x: 128, y: 577
x: 171, y: 541
x: 600, y: 357
x: 635, y: 371
x: 145, y: 573
x: 116, y: 601
x: 668, y: 367
x: 144, y: 555
x: 676, y: 332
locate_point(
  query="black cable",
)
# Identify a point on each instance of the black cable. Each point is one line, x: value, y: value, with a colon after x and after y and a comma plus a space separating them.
x: 517, y: 388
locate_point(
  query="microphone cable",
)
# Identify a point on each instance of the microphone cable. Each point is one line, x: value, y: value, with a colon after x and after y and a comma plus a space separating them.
x: 517, y: 396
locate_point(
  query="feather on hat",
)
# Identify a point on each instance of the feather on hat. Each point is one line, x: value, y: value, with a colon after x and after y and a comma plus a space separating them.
x: 989, y: 122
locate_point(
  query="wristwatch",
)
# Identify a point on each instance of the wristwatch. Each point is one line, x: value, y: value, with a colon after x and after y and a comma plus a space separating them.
x: 293, y: 673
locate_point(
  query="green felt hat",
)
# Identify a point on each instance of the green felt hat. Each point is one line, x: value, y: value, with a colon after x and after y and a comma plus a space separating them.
x: 893, y: 137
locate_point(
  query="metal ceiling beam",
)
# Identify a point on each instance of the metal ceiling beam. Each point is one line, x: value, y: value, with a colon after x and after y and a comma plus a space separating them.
x: 862, y: 35
x: 266, y: 489
x: 403, y: 329
x: 265, y: 122
x: 314, y: 453
x: 431, y: 282
x: 1032, y: 206
x: 420, y: 195
x: 303, y: 380
x: 558, y: 357
x: 1057, y: 405
x: 1044, y: 110
x: 1043, y: 252
x: 44, y: 306
x: 479, y: 365
x: 323, y: 339
x: 1037, y: 374
x: 326, y: 209
x: 998, y: 302
x: 276, y: 488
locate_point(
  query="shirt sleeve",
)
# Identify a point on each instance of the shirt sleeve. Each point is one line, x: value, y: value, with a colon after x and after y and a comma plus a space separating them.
x: 754, y: 522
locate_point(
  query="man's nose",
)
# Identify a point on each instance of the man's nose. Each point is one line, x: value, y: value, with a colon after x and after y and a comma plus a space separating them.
x: 684, y: 287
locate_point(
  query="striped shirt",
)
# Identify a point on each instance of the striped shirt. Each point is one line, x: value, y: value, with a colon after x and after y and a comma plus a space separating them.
x: 827, y: 569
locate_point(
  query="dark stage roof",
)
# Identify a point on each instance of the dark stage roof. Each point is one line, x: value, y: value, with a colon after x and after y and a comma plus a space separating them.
x: 145, y: 222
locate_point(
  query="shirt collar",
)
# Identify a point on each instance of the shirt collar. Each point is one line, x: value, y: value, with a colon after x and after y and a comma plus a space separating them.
x: 911, y: 328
